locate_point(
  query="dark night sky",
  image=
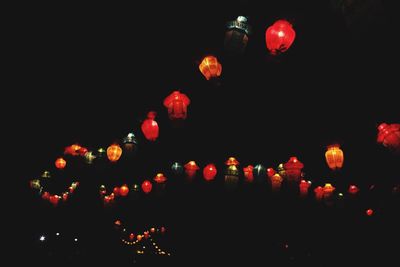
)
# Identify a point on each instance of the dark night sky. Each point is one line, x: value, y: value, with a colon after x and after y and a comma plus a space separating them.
x: 92, y: 73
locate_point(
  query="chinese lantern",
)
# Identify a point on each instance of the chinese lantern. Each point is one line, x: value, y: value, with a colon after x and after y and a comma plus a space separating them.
x: 281, y: 171
x: 146, y: 234
x: 72, y: 150
x: 46, y: 195
x: 237, y: 35
x: 177, y: 168
x: 334, y: 157
x: 389, y: 135
x: 139, y: 237
x: 231, y: 161
x: 152, y: 230
x: 163, y: 229
x: 65, y: 196
x: 131, y: 236
x: 259, y: 173
x: 82, y: 151
x: 60, y: 163
x: 319, y: 193
x: 150, y: 127
x: 116, y: 191
x: 191, y: 168
x: 129, y: 142
x: 293, y: 169
x: 124, y: 190
x: 248, y: 173
x: 210, y: 67
x: 209, y: 172
x: 101, y: 152
x: 177, y: 103
x: 117, y: 223
x: 89, y: 157
x: 270, y: 172
x: 328, y: 190
x: 160, y: 178
x: 114, y: 152
x: 54, y: 199
x: 353, y: 189
x: 35, y: 184
x: 279, y: 37
x: 369, y: 212
x: 102, y: 189
x: 231, y: 176
x: 276, y: 182
x: 304, y: 186
x: 147, y: 186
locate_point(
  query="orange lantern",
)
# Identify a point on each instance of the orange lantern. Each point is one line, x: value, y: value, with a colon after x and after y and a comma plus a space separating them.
x: 60, y: 163
x: 210, y: 67
x: 231, y: 161
x: 114, y: 152
x: 389, y: 135
x: 123, y: 190
x: 276, y: 182
x: 334, y: 157
x: 72, y: 150
x: 293, y: 169
x: 191, y: 168
x: 131, y: 236
x: 177, y: 104
x: 150, y: 127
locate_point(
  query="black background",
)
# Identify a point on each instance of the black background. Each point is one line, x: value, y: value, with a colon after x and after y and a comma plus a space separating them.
x: 91, y: 73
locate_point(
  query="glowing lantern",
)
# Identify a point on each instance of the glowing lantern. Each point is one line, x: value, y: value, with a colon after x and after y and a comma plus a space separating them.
x: 82, y: 151
x: 60, y: 163
x: 124, y: 190
x: 131, y: 236
x: 353, y: 189
x: 117, y: 223
x: 89, y: 157
x: 328, y: 190
x: 210, y: 67
x: 334, y: 157
x: 146, y: 234
x: 177, y: 168
x: 46, y: 195
x: 139, y: 237
x: 114, y: 152
x: 276, y: 182
x: 152, y: 230
x: 147, y: 186
x: 279, y: 37
x: 281, y: 171
x: 35, y: 184
x: 65, y: 196
x: 319, y: 193
x: 150, y: 127
x: 191, y: 168
x: 160, y: 178
x: 236, y: 36
x: 293, y: 169
x: 304, y: 186
x: 270, y: 172
x: 231, y: 161
x: 72, y: 150
x: 248, y: 173
x: 209, y: 172
x: 369, y: 212
x: 163, y: 229
x: 103, y: 190
x: 54, y: 199
x: 116, y: 191
x: 129, y: 142
x: 389, y: 135
x: 177, y: 103
x: 101, y: 152
x: 259, y: 173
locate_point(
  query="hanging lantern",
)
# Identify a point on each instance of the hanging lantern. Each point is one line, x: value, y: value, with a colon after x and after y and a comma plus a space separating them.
x: 35, y: 184
x: 259, y: 173
x: 139, y: 237
x: 191, y: 168
x: 209, y: 172
x: 279, y: 37
x: 177, y: 168
x: 89, y: 157
x: 319, y: 193
x: 281, y: 171
x: 353, y: 189
x: 54, y: 199
x: 131, y: 236
x: 389, y: 135
x: 60, y: 163
x: 46, y: 195
x: 150, y: 127
x: 103, y: 190
x: 237, y: 35
x: 152, y: 230
x: 160, y: 178
x: 334, y: 157
x: 146, y: 234
x: 101, y: 152
x: 231, y: 161
x: 114, y: 152
x: 210, y: 67
x: 129, y: 142
x: 293, y: 169
x: 72, y: 150
x: 328, y: 190
x: 248, y: 173
x: 369, y: 212
x: 270, y: 172
x: 276, y: 182
x: 65, y: 196
x: 304, y: 186
x: 147, y: 186
x: 231, y: 177
x: 177, y: 104
x: 82, y: 151
x: 116, y: 191
x: 124, y: 190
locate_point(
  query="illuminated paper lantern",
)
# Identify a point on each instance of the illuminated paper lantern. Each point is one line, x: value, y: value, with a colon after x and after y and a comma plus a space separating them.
x: 60, y: 163
x: 210, y: 67
x: 293, y: 169
x: 248, y: 173
x: 176, y: 104
x: 279, y: 37
x: 150, y: 127
x: 334, y: 157
x: 114, y: 152
x: 237, y: 35
x: 191, y: 169
x: 209, y: 172
x: 389, y: 135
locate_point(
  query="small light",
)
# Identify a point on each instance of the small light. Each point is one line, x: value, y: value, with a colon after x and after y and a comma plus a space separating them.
x: 76, y: 239
x: 42, y: 238
x: 340, y: 194
x: 57, y: 234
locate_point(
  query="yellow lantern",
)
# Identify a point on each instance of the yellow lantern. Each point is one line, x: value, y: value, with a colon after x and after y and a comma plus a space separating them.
x: 114, y: 152
x: 210, y: 67
x: 334, y: 157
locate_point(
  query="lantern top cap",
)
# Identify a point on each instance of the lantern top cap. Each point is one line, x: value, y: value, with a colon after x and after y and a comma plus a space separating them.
x: 175, y: 96
x: 191, y: 165
x: 232, y: 161
x: 382, y: 126
x: 333, y: 146
x: 239, y: 23
x: 151, y: 115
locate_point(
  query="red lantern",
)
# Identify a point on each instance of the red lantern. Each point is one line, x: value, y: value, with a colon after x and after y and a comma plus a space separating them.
x: 369, y: 212
x: 276, y: 182
x: 116, y: 191
x: 124, y: 190
x: 131, y: 236
x: 279, y: 37
x: 177, y: 103
x: 114, y: 152
x: 210, y: 67
x: 72, y: 150
x: 60, y: 163
x: 304, y: 186
x: 82, y: 151
x: 152, y: 230
x: 319, y: 193
x: 65, y: 196
x: 191, y: 168
x: 147, y: 186
x: 389, y: 135
x: 46, y: 195
x: 54, y: 199
x: 248, y: 173
x: 353, y: 189
x: 270, y: 172
x: 160, y: 178
x: 209, y: 172
x: 150, y: 127
x: 293, y: 169
x: 146, y: 234
x: 334, y: 157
